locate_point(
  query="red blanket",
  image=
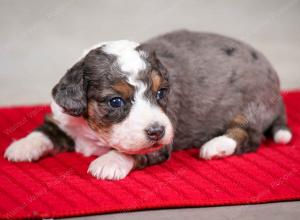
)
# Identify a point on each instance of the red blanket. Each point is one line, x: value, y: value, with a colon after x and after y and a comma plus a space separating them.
x: 60, y: 186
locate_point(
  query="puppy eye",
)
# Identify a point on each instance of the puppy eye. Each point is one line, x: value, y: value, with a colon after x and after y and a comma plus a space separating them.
x: 161, y: 94
x: 116, y: 102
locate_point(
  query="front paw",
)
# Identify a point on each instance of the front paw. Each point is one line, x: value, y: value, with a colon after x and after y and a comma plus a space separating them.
x: 111, y: 166
x: 30, y: 148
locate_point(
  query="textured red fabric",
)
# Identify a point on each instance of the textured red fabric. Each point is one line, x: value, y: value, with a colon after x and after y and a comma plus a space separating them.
x: 60, y: 186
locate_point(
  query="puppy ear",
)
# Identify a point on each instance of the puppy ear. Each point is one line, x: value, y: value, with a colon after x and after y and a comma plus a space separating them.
x: 152, y: 58
x: 70, y: 92
x: 157, y: 64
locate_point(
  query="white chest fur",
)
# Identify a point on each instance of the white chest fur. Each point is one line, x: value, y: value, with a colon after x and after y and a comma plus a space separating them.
x: 86, y: 140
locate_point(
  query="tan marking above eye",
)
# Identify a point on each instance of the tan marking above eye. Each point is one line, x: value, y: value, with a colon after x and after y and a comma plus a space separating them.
x: 156, y: 81
x: 124, y: 89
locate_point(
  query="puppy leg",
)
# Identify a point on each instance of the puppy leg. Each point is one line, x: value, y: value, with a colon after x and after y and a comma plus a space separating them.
x: 279, y: 129
x: 283, y: 135
x: 234, y: 140
x: 112, y: 166
x: 153, y: 158
x: 29, y: 148
x: 115, y: 165
x: 48, y: 138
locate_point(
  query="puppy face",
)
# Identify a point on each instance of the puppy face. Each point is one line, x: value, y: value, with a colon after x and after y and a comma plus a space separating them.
x: 122, y: 93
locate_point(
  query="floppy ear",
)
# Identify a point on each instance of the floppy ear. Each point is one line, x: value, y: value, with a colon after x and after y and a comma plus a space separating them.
x: 152, y: 58
x: 157, y: 64
x: 70, y: 92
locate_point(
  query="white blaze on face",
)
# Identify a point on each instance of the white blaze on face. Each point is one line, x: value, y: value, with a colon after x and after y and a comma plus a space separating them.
x: 130, y: 134
x: 128, y: 58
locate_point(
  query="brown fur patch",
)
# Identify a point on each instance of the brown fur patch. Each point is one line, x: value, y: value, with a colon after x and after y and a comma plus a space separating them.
x: 156, y: 81
x: 91, y: 108
x: 237, y: 134
x: 124, y: 89
x: 239, y: 121
x: 91, y: 114
x: 237, y: 129
x: 49, y: 118
x: 93, y: 117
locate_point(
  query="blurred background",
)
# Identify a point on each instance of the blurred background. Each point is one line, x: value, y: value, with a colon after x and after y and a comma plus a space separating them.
x: 40, y: 40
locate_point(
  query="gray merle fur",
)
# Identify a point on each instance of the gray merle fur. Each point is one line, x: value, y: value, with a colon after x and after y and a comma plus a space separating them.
x: 210, y: 85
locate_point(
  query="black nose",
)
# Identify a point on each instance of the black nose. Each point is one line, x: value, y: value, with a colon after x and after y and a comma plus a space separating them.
x: 155, y: 132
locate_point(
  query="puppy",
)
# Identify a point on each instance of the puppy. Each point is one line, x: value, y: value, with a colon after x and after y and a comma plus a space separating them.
x: 132, y: 104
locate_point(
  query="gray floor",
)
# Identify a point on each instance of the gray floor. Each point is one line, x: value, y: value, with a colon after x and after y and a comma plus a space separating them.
x: 40, y: 40
x: 274, y: 211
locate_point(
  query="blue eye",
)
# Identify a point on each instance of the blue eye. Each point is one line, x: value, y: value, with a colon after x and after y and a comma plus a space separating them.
x: 161, y: 94
x: 116, y: 102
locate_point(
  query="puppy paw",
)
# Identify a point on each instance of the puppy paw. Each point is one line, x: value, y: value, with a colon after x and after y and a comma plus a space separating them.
x: 218, y: 147
x: 283, y: 136
x: 30, y: 148
x: 111, y: 166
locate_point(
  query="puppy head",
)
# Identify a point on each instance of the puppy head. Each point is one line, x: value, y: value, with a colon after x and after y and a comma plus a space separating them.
x: 122, y: 92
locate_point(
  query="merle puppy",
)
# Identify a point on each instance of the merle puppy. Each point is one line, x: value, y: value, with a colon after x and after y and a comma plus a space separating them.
x: 131, y: 104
